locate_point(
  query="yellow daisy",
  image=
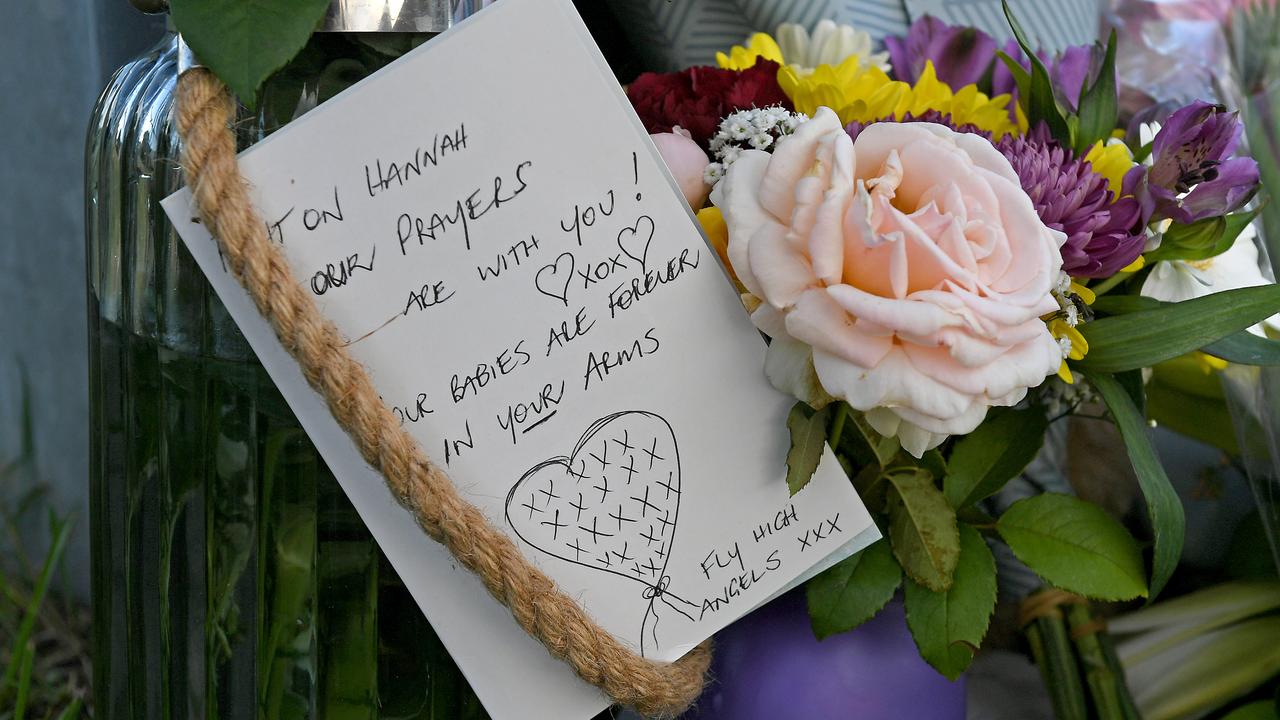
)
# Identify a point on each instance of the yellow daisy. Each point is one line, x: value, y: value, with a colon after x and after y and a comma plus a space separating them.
x: 868, y: 94
x: 1112, y: 160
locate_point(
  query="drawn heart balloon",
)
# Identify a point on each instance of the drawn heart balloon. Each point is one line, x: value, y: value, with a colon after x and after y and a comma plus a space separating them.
x: 610, y: 505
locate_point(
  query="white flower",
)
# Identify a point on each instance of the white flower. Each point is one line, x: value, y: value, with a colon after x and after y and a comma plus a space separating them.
x: 738, y: 128
x: 765, y: 121
x: 830, y: 44
x: 761, y: 141
x: 713, y: 173
x: 1178, y: 280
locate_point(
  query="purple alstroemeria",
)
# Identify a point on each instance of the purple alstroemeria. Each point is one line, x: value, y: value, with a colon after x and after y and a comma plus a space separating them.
x: 1067, y: 71
x: 1193, y: 173
x: 961, y: 55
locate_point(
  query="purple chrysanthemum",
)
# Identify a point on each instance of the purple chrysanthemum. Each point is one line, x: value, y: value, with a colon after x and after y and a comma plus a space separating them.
x: 1103, y: 234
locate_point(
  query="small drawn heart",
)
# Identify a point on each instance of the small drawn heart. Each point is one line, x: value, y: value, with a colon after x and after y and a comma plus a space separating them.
x: 555, y: 282
x: 611, y: 504
x: 634, y: 241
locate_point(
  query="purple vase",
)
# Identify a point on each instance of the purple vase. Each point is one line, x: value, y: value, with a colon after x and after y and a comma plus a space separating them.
x: 768, y: 666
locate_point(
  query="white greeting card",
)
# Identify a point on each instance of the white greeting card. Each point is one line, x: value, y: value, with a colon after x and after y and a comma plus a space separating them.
x: 489, y: 225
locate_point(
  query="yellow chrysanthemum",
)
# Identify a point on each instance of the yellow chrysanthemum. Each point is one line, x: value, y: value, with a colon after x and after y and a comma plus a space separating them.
x: 717, y: 232
x: 1062, y: 329
x: 867, y: 94
x: 1112, y: 160
x: 759, y: 45
x: 1079, y: 346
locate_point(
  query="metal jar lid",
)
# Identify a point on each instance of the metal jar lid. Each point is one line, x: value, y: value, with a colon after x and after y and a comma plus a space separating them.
x: 413, y: 16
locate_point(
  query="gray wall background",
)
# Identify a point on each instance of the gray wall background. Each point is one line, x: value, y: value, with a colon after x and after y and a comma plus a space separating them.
x: 55, y: 56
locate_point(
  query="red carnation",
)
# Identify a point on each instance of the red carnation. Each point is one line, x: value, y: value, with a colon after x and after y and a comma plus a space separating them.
x: 697, y: 99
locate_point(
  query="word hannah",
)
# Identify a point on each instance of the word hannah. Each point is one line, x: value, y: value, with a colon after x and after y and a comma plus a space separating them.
x: 380, y: 179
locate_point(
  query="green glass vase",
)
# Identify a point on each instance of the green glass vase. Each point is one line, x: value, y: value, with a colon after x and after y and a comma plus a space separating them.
x: 231, y: 576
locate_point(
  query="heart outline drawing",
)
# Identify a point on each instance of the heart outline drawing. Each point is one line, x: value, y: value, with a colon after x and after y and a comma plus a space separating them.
x: 634, y: 231
x: 554, y: 267
x: 532, y: 505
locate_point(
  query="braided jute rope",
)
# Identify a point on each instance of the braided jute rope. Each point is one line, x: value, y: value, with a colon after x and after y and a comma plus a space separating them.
x: 205, y: 111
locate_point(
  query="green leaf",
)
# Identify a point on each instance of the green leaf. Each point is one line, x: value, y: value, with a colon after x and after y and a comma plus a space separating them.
x: 1246, y: 348
x: 61, y: 532
x: 852, y: 591
x: 949, y: 626
x: 884, y: 448
x: 1100, y: 104
x: 72, y: 710
x: 922, y: 529
x: 1242, y: 347
x: 1040, y: 103
x: 1125, y: 304
x: 1198, y: 676
x: 1256, y: 710
x: 1202, y: 239
x: 1021, y: 78
x: 872, y: 485
x: 993, y: 454
x: 1133, y: 384
x: 1074, y: 545
x: 808, y: 439
x: 244, y: 41
x: 1167, y: 520
x: 1146, y: 337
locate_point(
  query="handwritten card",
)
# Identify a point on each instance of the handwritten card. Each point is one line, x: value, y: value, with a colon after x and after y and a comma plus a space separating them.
x: 488, y: 224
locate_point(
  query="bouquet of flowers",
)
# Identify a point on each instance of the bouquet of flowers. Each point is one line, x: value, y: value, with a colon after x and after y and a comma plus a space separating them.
x: 951, y: 246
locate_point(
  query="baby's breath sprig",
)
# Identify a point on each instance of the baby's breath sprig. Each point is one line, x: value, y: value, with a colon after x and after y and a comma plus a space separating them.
x: 757, y: 128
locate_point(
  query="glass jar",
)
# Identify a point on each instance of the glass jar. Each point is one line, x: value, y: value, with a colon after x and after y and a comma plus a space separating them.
x: 231, y: 576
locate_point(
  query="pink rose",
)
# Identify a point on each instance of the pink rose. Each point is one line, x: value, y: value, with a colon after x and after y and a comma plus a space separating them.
x: 905, y: 273
x: 687, y: 162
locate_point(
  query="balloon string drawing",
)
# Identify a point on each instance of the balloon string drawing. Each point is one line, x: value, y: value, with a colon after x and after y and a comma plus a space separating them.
x: 611, y: 505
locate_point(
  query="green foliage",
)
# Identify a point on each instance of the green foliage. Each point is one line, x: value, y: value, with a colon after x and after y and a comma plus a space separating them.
x: 1202, y: 239
x: 1124, y: 304
x: 1168, y: 522
x: 244, y: 41
x: 1245, y: 348
x: 808, y: 440
x: 852, y: 591
x: 922, y: 529
x: 44, y: 665
x: 1074, y: 545
x: 884, y: 448
x: 1145, y: 337
x: 1036, y: 92
x: 23, y: 685
x: 987, y: 458
x: 949, y: 626
x: 1190, y: 656
x: 1099, y: 103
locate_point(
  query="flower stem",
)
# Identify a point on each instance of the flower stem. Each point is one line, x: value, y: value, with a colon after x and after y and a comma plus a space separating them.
x: 837, y: 424
x: 1051, y: 648
x: 1106, y: 682
x: 1110, y: 283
